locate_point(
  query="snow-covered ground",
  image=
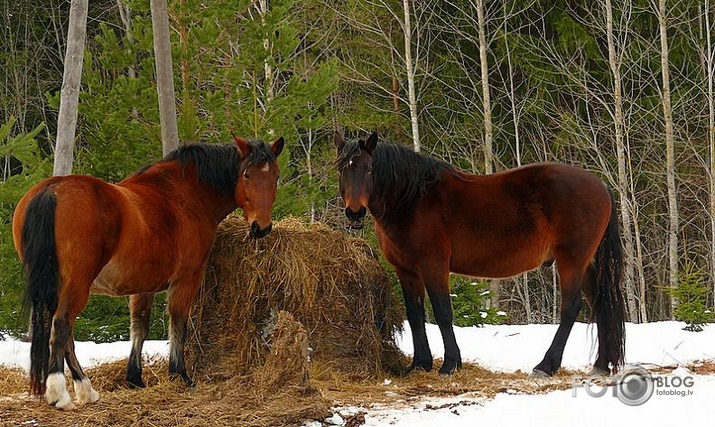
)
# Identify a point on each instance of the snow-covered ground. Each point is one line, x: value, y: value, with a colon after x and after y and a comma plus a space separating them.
x: 679, y: 398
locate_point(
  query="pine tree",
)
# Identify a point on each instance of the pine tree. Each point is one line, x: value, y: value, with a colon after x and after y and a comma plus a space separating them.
x: 692, y: 296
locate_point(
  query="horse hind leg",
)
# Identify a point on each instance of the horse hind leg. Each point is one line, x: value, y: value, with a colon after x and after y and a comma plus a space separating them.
x: 56, y: 393
x: 442, y: 308
x: 570, y: 307
x: 84, y: 393
x: 72, y: 300
x: 140, y: 309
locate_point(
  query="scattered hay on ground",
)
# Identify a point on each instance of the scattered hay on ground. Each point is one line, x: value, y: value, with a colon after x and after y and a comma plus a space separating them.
x: 235, y: 402
x: 332, y: 284
x: 240, y: 402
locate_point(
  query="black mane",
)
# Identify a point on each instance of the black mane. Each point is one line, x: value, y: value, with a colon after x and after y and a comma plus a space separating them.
x: 399, y: 173
x: 219, y: 165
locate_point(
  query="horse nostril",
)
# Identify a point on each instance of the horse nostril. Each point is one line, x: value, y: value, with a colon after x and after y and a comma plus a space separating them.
x: 354, y: 216
x: 257, y: 232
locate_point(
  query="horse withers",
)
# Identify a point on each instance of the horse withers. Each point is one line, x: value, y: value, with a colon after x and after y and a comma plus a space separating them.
x: 151, y: 232
x: 431, y: 219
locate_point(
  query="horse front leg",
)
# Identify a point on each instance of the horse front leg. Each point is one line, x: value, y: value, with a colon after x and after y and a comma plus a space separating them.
x: 414, y: 293
x: 180, y: 298
x: 140, y: 311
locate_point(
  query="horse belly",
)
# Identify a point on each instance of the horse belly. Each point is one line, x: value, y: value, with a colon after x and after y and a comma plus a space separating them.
x: 498, y: 261
x: 129, y: 278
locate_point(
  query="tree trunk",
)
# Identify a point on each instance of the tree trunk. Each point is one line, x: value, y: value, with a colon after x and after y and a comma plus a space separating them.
x: 494, y: 284
x: 623, y: 179
x: 164, y: 76
x: 670, y: 159
x: 69, y: 95
x: 486, y: 99
x: 710, y: 69
x: 411, y: 93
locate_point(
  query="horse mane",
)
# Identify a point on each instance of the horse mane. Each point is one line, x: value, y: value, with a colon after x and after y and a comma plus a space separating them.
x: 219, y: 165
x: 398, y: 172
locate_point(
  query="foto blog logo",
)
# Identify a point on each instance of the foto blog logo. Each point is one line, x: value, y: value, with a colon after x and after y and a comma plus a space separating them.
x: 634, y: 385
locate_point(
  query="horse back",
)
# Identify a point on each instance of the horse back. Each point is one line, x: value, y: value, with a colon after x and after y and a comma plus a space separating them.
x: 522, y: 218
x: 502, y: 224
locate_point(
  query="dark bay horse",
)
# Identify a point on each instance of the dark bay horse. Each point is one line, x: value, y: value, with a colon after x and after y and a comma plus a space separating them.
x: 431, y: 219
x: 149, y: 233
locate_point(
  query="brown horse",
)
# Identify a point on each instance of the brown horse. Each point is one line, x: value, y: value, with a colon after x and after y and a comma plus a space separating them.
x: 431, y: 219
x: 149, y: 233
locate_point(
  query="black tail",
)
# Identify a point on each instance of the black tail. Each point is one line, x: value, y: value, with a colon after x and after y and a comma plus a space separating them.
x: 609, y: 306
x: 41, y: 281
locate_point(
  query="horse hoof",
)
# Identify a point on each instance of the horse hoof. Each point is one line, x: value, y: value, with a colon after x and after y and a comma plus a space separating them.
x: 538, y: 373
x: 135, y: 384
x: 598, y: 372
x: 84, y: 392
x: 65, y: 404
x: 418, y: 367
x: 187, y: 379
x: 449, y: 368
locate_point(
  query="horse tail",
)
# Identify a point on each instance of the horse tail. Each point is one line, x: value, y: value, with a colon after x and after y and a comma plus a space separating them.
x: 609, y: 305
x: 41, y: 281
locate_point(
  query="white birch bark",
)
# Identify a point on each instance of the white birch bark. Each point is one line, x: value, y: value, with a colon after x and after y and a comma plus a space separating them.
x: 623, y: 176
x: 410, y: 69
x: 164, y: 76
x: 486, y: 100
x: 669, y: 158
x: 69, y: 94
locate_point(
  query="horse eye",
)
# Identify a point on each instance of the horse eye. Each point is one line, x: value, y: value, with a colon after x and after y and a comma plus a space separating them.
x: 245, y: 174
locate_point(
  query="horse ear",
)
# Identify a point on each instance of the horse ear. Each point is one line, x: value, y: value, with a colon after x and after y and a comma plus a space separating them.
x: 338, y: 141
x: 243, y: 148
x: 277, y: 146
x: 371, y: 143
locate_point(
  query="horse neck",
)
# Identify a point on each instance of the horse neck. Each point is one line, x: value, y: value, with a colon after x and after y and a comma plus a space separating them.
x: 182, y: 186
x: 386, y: 208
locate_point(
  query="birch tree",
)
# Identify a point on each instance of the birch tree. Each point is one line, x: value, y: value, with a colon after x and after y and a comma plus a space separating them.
x: 410, y: 71
x: 69, y: 96
x: 708, y: 59
x: 486, y: 97
x: 164, y: 76
x: 399, y: 43
x: 622, y: 154
x: 669, y: 155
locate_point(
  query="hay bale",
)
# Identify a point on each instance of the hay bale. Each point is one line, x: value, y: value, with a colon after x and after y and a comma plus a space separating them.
x: 331, y: 283
x: 287, y: 360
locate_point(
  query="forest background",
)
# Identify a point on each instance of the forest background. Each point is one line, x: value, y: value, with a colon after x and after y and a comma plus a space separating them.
x: 623, y: 89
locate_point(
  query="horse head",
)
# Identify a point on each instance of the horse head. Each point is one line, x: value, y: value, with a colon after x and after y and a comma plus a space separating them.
x: 257, y: 182
x: 356, y: 180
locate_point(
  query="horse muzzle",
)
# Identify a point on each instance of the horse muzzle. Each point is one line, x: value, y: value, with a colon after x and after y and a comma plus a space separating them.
x: 257, y: 232
x: 357, y: 219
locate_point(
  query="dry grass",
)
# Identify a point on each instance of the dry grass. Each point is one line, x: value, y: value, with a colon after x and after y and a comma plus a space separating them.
x: 240, y: 402
x: 236, y: 402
